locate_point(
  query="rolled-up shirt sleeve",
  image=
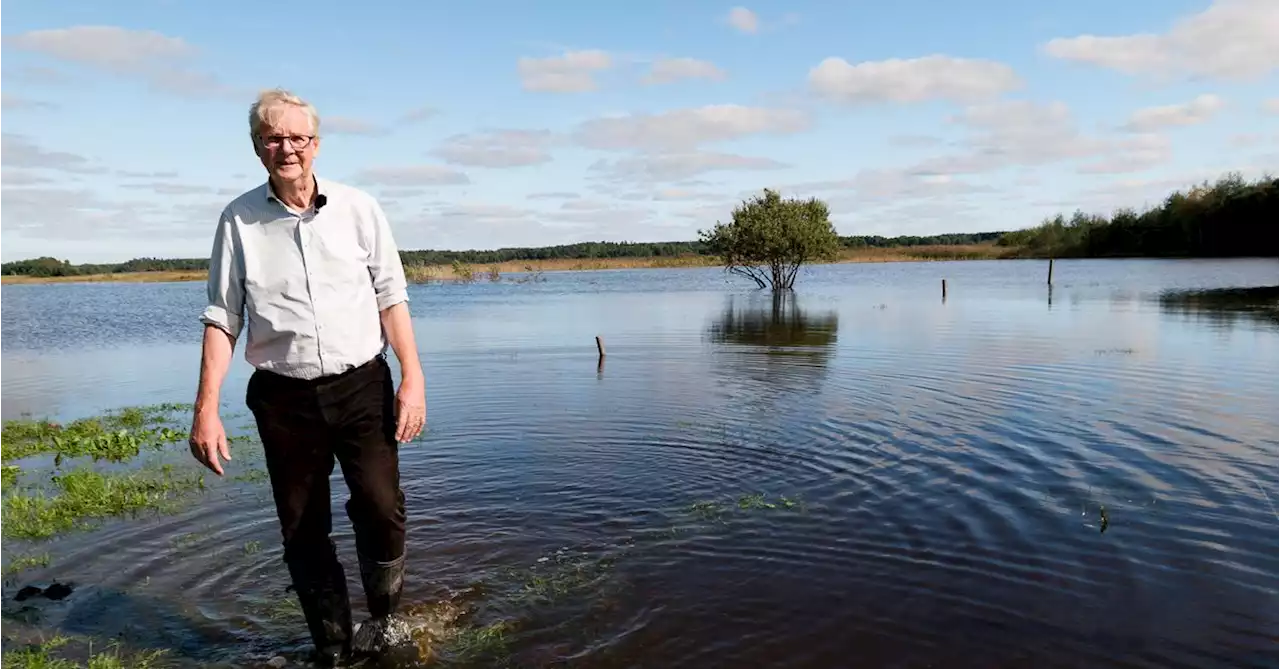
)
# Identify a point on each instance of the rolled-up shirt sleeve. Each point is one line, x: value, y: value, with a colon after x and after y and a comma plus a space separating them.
x: 225, y: 308
x: 385, y: 268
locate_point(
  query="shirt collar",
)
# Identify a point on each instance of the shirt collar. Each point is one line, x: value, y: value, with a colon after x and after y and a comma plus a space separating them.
x: 322, y: 192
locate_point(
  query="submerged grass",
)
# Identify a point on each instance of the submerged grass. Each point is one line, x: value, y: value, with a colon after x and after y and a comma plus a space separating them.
x: 45, y: 655
x: 40, y: 502
x: 718, y: 509
x: 116, y: 436
x: 473, y: 645
x: 84, y: 495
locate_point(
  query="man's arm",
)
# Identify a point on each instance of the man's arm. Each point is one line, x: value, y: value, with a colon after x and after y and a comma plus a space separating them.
x: 411, y: 398
x: 215, y: 360
x: 223, y: 319
x: 391, y: 288
x: 398, y: 325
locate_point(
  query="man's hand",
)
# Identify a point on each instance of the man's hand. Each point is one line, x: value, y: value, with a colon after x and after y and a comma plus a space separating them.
x: 411, y: 407
x: 208, y: 440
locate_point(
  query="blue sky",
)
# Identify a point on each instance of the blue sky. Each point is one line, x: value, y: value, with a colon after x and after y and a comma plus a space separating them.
x: 487, y: 124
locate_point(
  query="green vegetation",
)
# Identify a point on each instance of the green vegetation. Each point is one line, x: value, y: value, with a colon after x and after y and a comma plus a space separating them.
x: 718, y: 509
x: 770, y: 238
x: 59, y: 500
x: 27, y: 562
x: 41, y: 656
x: 116, y: 436
x: 472, y: 645
x: 1230, y: 218
x: 93, y: 475
x: 84, y: 495
x: 664, y: 254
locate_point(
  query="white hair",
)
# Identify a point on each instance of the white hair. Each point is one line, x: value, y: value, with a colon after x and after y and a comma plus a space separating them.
x: 265, y: 110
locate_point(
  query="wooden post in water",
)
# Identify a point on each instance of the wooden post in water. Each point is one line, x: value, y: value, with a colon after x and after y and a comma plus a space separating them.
x: 944, y: 289
x: 1050, y: 271
x: 600, y: 345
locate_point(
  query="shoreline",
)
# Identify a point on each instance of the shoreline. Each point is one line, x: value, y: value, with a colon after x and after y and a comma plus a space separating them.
x: 485, y: 271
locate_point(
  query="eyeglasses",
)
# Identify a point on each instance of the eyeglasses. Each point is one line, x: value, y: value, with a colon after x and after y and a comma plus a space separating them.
x: 299, y: 142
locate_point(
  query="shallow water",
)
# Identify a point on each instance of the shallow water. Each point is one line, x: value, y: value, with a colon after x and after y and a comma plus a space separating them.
x: 936, y: 469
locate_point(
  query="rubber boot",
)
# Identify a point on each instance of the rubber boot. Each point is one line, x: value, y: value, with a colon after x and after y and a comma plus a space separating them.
x: 383, y: 583
x: 326, y: 605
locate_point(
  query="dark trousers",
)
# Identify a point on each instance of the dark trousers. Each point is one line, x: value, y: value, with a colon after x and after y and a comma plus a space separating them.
x: 304, y: 426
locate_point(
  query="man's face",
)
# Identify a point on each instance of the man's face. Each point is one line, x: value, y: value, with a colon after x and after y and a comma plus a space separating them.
x: 287, y: 146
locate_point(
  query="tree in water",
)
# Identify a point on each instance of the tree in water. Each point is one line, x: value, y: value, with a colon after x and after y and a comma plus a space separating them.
x: 770, y: 238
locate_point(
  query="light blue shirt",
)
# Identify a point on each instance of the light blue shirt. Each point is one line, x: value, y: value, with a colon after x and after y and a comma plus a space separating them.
x: 310, y: 285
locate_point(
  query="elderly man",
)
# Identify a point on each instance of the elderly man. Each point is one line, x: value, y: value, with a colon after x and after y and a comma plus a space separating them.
x: 310, y: 266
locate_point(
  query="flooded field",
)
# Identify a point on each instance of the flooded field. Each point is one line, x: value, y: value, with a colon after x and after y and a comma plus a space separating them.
x: 862, y: 475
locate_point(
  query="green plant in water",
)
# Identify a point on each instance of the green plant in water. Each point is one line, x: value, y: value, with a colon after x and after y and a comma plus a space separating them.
x: 474, y: 644
x: 26, y: 562
x: 40, y: 656
x: 84, y: 495
x: 714, y: 510
x: 463, y: 271
x: 116, y: 436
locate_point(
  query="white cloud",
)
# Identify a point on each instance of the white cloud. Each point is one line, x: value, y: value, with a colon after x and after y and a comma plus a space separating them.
x: 1231, y: 39
x: 346, y: 125
x: 15, y: 103
x: 38, y: 74
x: 484, y: 212
x: 667, y: 145
x: 477, y: 224
x: 1020, y: 133
x: 160, y: 60
x: 572, y: 72
x: 12, y: 177
x: 891, y: 185
x: 168, y: 174
x: 585, y: 205
x: 107, y: 47
x: 684, y: 129
x: 409, y: 176
x: 552, y: 196
x: 668, y: 70
x: 602, y: 218
x: 1139, y: 154
x: 663, y: 167
x: 744, y: 20
x: 915, y: 141
x: 75, y: 214
x: 498, y: 148
x: 912, y: 80
x: 418, y: 115
x: 1195, y: 111
x: 680, y: 194
x: 402, y: 193
x: 171, y: 188
x: 18, y: 151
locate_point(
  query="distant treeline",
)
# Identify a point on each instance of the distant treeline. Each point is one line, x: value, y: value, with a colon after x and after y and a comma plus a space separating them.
x: 583, y: 251
x: 1229, y: 218
x: 46, y: 266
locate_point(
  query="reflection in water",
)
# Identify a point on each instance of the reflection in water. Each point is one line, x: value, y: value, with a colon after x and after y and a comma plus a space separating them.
x: 777, y: 322
x: 1225, y: 306
x: 774, y: 342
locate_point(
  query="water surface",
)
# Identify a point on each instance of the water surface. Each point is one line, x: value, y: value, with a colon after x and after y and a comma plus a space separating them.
x: 936, y: 469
